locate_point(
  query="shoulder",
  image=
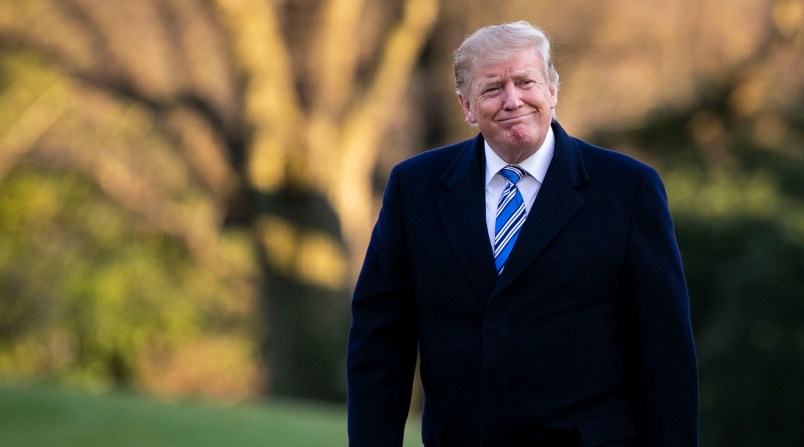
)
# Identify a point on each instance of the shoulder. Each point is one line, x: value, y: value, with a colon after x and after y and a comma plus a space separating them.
x: 619, y: 176
x: 598, y: 158
x: 433, y: 167
x: 583, y: 162
x: 609, y: 169
x: 437, y: 159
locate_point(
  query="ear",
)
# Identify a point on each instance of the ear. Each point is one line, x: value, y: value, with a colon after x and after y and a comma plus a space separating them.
x: 467, y: 110
x: 553, y: 98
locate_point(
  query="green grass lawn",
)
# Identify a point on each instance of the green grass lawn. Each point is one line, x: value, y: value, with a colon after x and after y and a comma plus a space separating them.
x: 41, y: 416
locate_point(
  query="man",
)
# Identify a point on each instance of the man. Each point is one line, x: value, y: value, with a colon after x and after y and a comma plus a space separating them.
x: 537, y: 277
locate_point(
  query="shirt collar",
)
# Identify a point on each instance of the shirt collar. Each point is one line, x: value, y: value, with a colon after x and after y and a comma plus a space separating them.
x: 536, y: 165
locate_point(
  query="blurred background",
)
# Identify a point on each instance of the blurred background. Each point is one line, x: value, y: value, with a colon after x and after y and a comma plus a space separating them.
x: 187, y: 187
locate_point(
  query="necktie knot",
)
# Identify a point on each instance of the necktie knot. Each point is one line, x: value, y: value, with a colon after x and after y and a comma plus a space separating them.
x: 512, y: 173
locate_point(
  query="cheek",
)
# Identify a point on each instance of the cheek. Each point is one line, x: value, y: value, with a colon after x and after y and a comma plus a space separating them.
x: 486, y: 108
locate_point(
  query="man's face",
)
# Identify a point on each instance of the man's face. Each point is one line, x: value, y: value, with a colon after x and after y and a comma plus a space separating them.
x: 512, y: 103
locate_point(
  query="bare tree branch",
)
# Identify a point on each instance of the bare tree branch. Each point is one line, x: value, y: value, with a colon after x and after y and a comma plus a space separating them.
x: 21, y: 129
x: 366, y: 124
x: 335, y: 56
x: 272, y: 108
x: 205, y: 151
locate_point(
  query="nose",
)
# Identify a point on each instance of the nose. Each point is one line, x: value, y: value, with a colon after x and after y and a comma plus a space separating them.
x: 511, y: 99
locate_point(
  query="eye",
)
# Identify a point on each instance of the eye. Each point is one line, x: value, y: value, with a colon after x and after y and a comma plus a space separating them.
x: 491, y: 90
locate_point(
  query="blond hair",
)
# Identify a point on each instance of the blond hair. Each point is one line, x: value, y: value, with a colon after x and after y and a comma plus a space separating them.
x: 497, y: 43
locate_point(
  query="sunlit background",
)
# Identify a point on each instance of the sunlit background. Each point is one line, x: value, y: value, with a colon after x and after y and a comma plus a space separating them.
x: 187, y: 188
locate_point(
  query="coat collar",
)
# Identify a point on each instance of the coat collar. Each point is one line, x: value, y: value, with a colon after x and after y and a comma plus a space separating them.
x: 555, y: 205
x: 462, y: 212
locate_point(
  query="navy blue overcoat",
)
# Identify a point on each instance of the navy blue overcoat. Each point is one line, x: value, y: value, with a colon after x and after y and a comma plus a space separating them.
x: 584, y: 340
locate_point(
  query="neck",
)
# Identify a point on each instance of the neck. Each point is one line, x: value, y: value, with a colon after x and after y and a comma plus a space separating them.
x: 514, y: 156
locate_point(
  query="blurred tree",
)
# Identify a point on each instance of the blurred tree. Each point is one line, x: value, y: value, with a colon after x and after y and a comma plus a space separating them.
x: 197, y: 116
x: 209, y: 136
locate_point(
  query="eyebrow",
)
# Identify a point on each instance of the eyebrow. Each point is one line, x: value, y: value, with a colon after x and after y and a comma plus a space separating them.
x: 525, y: 73
x: 496, y: 79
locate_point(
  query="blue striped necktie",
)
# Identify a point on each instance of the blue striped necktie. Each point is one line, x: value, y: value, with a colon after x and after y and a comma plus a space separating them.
x: 510, y: 216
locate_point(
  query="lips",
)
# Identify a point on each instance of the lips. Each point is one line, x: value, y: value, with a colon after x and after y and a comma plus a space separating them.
x: 514, y: 118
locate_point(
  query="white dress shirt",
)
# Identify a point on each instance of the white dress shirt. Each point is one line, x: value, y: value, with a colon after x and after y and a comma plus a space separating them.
x: 536, y: 167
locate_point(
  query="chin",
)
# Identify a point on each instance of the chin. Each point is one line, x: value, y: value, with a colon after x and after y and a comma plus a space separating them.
x: 522, y: 137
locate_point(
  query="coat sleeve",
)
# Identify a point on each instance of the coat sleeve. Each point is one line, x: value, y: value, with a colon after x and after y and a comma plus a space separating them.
x: 381, y: 355
x: 666, y: 363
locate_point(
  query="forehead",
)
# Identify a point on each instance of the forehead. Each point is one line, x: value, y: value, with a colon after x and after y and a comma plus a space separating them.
x: 526, y: 61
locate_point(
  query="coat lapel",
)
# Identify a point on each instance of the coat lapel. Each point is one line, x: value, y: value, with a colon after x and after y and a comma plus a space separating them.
x: 462, y: 210
x: 555, y: 205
